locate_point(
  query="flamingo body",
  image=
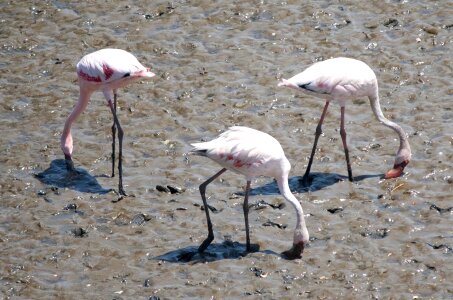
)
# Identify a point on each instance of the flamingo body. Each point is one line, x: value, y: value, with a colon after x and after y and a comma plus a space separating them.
x: 335, y: 79
x: 252, y: 153
x: 105, y: 70
x: 240, y: 149
x: 339, y: 79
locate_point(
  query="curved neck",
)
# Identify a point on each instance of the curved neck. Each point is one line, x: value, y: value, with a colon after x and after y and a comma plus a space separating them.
x: 81, y: 105
x: 376, y: 107
x: 301, y: 232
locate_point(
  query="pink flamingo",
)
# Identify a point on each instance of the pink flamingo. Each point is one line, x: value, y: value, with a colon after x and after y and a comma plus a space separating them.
x: 251, y: 153
x: 339, y: 79
x: 105, y: 70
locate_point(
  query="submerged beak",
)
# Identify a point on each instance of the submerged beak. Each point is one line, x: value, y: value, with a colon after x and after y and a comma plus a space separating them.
x: 295, y: 251
x: 396, y: 171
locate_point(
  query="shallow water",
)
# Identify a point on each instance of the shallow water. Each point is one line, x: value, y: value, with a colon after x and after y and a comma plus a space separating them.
x: 218, y: 64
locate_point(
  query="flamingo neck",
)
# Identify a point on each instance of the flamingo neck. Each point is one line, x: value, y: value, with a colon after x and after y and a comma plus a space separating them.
x: 66, y: 137
x: 404, y: 148
x: 301, y: 232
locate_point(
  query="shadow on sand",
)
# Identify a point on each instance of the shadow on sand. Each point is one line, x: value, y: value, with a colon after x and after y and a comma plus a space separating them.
x: 57, y: 175
x: 317, y: 181
x: 234, y: 250
x: 215, y: 251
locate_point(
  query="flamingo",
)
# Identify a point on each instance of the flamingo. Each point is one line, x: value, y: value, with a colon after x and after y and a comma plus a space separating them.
x: 339, y: 79
x: 105, y: 70
x: 251, y: 153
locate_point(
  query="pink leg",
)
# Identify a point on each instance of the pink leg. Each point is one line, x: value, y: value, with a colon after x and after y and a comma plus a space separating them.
x: 318, y: 132
x: 345, y: 146
x: 203, y: 186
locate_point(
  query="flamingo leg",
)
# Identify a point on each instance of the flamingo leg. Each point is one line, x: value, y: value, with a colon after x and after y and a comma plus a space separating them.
x: 318, y: 132
x: 114, y: 134
x: 120, y: 153
x: 345, y: 145
x: 245, y: 207
x: 202, y: 188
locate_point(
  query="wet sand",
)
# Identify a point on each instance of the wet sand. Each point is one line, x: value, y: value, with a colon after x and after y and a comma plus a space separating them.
x: 218, y: 64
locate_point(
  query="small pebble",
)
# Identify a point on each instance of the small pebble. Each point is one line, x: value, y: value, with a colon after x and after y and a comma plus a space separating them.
x: 147, y: 282
x: 431, y: 30
x: 79, y: 232
x: 378, y: 234
x: 211, y: 208
x: 259, y: 272
x: 441, y: 246
x: 139, y: 219
x: 391, y: 22
x: 335, y: 210
x: 270, y: 223
x: 175, y: 189
x: 71, y: 206
x: 439, y: 209
x: 162, y: 188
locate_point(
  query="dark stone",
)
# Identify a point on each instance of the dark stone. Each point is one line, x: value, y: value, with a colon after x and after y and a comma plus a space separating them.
x: 71, y: 206
x: 270, y: 223
x: 378, y: 234
x: 175, y: 189
x: 335, y: 210
x: 391, y: 22
x: 147, y: 282
x: 162, y: 188
x: 439, y: 209
x: 79, y: 232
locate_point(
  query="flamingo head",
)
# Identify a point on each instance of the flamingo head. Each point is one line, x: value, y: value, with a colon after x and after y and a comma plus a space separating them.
x: 397, y: 170
x: 301, y: 238
x: 295, y: 251
x: 401, y: 161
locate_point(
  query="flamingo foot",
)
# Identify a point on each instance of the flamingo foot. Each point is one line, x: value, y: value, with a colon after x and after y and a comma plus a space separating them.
x: 69, y: 163
x: 72, y: 171
x: 122, y: 193
x: 305, y: 180
x: 295, y: 251
x: 206, y: 243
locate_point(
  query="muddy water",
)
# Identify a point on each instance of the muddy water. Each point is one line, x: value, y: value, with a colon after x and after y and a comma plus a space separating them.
x: 218, y: 64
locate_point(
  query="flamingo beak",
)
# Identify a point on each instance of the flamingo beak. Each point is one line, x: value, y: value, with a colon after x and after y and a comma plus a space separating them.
x: 295, y: 251
x: 143, y: 73
x: 396, y: 171
x: 287, y: 83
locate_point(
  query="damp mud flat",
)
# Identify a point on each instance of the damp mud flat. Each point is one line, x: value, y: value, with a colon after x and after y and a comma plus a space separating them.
x: 218, y: 64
